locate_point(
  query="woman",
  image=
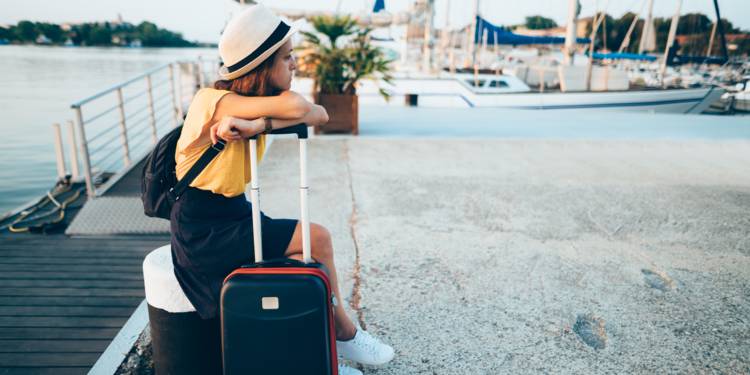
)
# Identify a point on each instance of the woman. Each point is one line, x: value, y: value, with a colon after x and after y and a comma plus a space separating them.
x: 211, y: 223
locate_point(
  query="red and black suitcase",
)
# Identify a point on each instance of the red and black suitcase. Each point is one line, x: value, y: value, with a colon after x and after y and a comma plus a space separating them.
x: 277, y: 315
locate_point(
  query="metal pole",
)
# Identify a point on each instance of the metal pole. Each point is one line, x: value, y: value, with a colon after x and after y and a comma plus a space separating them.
x: 426, y: 49
x: 200, y: 73
x: 90, y: 191
x: 304, y: 211
x: 175, y: 106
x: 570, y: 33
x: 123, y: 128
x: 59, y: 156
x: 196, y: 76
x: 711, y: 39
x: 721, y: 31
x: 472, y: 45
x: 255, y: 201
x: 626, y: 41
x: 670, y: 39
x: 497, y: 53
x: 179, y: 90
x: 73, y: 150
x: 151, y: 111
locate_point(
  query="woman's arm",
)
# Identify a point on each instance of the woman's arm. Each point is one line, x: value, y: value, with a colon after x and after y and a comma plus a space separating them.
x: 287, y: 105
x: 232, y: 128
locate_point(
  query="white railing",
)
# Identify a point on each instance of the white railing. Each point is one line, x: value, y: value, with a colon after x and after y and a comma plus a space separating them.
x: 117, y: 127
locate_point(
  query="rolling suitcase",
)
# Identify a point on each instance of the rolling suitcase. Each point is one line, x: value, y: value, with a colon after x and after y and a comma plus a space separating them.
x: 277, y: 315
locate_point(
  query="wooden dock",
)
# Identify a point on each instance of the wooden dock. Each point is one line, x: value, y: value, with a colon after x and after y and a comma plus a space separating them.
x: 63, y: 299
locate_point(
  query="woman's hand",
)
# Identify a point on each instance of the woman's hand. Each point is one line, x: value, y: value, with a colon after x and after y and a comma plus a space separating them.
x: 316, y: 117
x: 234, y: 129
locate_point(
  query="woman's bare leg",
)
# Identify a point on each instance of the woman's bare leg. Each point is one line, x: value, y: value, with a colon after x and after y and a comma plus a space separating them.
x: 321, y: 247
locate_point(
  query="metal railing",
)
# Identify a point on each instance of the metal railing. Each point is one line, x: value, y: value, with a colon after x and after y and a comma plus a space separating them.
x: 117, y: 127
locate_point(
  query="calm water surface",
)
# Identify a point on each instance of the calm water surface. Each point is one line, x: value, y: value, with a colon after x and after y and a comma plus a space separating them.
x: 38, y: 85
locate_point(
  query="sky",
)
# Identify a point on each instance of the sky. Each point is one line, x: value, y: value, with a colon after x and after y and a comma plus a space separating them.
x: 203, y: 20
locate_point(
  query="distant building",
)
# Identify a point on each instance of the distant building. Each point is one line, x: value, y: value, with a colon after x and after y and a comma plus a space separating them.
x: 42, y: 39
x: 555, y: 31
x: 136, y: 44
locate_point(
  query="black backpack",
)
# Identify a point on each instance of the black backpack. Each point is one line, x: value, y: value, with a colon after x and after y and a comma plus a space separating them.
x: 159, y: 186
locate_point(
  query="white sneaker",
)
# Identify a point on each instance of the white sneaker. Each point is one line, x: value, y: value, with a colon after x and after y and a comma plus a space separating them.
x: 346, y: 370
x: 365, y: 349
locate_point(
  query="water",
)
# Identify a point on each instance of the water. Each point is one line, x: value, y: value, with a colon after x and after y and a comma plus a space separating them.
x: 38, y: 85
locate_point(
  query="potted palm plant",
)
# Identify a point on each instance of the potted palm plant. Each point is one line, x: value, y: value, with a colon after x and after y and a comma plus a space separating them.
x: 337, y: 63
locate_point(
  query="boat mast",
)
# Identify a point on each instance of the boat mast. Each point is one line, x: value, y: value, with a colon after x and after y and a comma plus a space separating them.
x: 426, y: 49
x: 648, y: 29
x: 670, y: 39
x: 626, y: 41
x: 570, y: 33
x: 472, y: 45
x: 721, y: 31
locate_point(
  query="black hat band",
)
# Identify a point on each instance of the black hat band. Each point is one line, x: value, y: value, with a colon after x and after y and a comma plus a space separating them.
x: 274, y: 38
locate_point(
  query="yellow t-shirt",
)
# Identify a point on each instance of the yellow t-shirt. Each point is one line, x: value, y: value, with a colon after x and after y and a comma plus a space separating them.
x: 229, y: 172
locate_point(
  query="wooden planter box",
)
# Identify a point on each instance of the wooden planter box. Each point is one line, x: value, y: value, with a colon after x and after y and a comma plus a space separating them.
x: 343, y: 113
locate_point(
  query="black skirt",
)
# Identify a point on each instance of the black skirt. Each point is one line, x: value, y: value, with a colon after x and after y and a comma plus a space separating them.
x: 212, y: 235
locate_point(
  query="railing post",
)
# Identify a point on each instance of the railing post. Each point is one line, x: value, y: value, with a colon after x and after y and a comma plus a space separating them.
x: 85, y: 154
x: 151, y: 111
x: 179, y: 90
x: 123, y: 128
x: 175, y: 111
x: 59, y: 154
x: 201, y: 79
x: 73, y: 150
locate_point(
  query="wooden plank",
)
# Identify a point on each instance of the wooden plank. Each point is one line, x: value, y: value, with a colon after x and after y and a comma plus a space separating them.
x: 68, y: 275
x: 100, y: 284
x: 104, y: 261
x: 80, y: 292
x: 89, y: 246
x: 63, y: 245
x: 58, y: 333
x: 44, y: 370
x: 120, y: 301
x: 68, y: 254
x: 46, y: 346
x: 31, y: 360
x: 119, y: 311
x: 60, y: 322
x: 36, y: 239
x: 113, y: 268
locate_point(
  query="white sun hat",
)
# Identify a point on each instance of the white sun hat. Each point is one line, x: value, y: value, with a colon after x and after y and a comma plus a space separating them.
x: 250, y: 38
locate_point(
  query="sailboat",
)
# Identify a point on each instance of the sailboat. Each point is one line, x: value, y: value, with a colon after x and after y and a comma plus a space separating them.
x: 577, y: 83
x: 582, y: 86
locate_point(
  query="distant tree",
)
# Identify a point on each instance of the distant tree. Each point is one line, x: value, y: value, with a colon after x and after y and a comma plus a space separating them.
x: 26, y: 31
x: 540, y: 23
x: 5, y: 33
x: 694, y: 23
x: 100, y: 36
x: 51, y: 31
x: 728, y: 27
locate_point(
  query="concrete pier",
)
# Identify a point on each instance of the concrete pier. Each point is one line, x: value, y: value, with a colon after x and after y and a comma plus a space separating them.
x: 489, y: 256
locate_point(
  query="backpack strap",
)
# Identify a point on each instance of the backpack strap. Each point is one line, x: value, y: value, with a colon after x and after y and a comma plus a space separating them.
x: 197, y: 168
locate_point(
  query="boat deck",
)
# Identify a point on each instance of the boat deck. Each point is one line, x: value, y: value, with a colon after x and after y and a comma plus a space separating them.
x: 63, y: 299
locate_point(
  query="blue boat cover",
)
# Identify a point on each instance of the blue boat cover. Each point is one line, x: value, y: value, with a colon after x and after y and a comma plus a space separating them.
x: 379, y: 5
x: 623, y: 56
x: 498, y: 35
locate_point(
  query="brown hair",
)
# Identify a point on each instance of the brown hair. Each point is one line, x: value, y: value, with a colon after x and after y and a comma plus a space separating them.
x: 256, y: 82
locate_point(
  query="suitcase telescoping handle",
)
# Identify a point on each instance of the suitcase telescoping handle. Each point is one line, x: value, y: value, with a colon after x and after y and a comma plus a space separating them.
x: 301, y: 132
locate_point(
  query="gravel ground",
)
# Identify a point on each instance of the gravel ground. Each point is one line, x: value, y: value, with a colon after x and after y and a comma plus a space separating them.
x: 536, y: 256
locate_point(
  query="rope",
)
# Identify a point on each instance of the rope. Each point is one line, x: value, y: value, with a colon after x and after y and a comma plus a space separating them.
x: 25, y: 217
